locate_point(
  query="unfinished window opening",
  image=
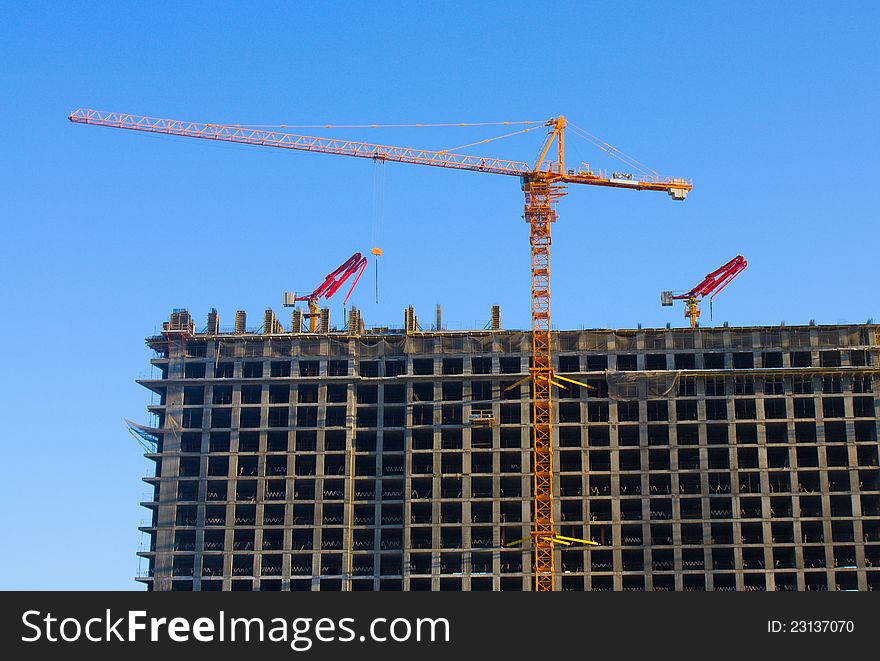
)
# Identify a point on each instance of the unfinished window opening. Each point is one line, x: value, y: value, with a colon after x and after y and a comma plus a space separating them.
x: 309, y: 367
x: 715, y: 386
x: 450, y: 538
x: 510, y: 364
x: 863, y: 407
x: 249, y: 441
x: 224, y: 370
x: 688, y: 459
x: 337, y: 393
x: 481, y: 462
x: 628, y: 435
x: 685, y: 361
x: 276, y: 466
x: 216, y: 490
x: 252, y: 370
x: 215, y: 515
x: 811, y: 506
x: 752, y: 533
x: 869, y: 480
x: 716, y: 409
x: 395, y: 368
x: 451, y: 391
x: 778, y: 457
x: 245, y: 515
x: 194, y: 371
x: 713, y: 361
x: 774, y: 409
x: 597, y: 411
x: 423, y: 414
x: 394, y: 416
x: 658, y: 460
x: 801, y: 359
x: 422, y: 439
x: 511, y: 511
x: 192, y: 419
x: 481, y: 391
x: 771, y: 359
x: 691, y: 508
x: 423, y: 365
x: 275, y: 489
x: 569, y: 363
x: 511, y: 438
x: 829, y: 358
x: 453, y: 366
x: 865, y: 432
x: 804, y: 407
x: 305, y: 393
x: 598, y: 436
x: 658, y: 409
x: 747, y: 457
x: 423, y: 391
x: 627, y: 362
x: 774, y: 386
x: 481, y: 512
x: 279, y: 368
x: 451, y: 439
x: 191, y: 442
x: 481, y: 365
x: 218, y: 466
x: 451, y: 463
x: 832, y: 407
x: 420, y: 513
x: 687, y: 386
x: 628, y: 411
x: 481, y: 437
x: 660, y: 509
x: 782, y: 532
x: 278, y: 416
x: 688, y: 434
x: 451, y: 414
x: 663, y: 560
x: 279, y: 394
x: 684, y: 409
x: 368, y: 368
x: 569, y: 412
x: 509, y: 391
x: 334, y: 464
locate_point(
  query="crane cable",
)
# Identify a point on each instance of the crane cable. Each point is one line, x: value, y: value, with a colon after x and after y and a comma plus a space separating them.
x: 613, y: 151
x: 481, y: 142
x: 377, y: 213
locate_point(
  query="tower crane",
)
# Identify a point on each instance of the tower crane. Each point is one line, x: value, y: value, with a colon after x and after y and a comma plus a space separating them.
x: 543, y: 183
x: 711, y: 286
x: 353, y: 266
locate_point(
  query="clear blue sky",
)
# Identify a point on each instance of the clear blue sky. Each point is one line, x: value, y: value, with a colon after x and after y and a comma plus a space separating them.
x: 771, y: 108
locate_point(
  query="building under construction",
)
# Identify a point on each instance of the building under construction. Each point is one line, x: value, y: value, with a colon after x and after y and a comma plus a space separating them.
x: 400, y: 459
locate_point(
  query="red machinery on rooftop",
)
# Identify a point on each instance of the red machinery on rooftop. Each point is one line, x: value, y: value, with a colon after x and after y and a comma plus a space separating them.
x: 711, y: 285
x: 353, y: 266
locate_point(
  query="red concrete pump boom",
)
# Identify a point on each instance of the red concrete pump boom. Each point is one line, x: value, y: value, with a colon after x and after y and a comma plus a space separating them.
x: 711, y: 286
x: 353, y: 266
